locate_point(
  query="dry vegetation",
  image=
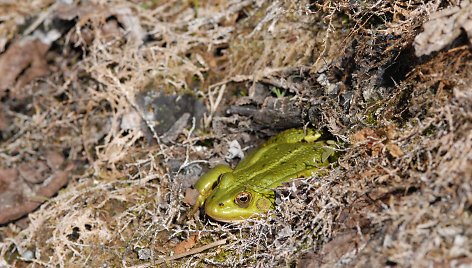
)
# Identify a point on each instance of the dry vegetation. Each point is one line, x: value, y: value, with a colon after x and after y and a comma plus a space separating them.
x: 110, y: 110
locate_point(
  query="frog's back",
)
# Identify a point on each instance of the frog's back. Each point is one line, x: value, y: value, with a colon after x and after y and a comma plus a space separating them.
x: 280, y: 162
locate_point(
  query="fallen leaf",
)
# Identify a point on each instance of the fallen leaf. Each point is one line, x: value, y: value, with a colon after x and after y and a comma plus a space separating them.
x: 7, y: 176
x: 33, y: 172
x: 394, y: 150
x: 443, y: 28
x: 363, y: 136
x: 190, y: 196
x: 18, y: 199
x: 3, y: 117
x: 22, y: 62
x: 344, y: 243
x: 368, y: 138
x: 54, y: 159
x: 186, y: 244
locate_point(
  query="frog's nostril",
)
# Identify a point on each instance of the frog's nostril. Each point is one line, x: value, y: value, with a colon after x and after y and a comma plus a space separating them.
x: 221, y: 204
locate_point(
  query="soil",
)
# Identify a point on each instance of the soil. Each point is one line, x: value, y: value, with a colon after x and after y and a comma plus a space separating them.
x: 110, y: 111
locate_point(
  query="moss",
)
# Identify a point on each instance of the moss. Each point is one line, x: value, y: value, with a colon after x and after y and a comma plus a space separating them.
x: 371, y: 118
x: 430, y: 131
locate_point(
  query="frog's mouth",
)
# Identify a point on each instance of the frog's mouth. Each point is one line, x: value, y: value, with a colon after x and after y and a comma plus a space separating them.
x: 224, y: 213
x: 227, y: 215
x: 228, y: 220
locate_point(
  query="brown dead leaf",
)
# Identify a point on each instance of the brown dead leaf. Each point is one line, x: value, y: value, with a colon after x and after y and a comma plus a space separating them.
x: 186, y: 244
x: 3, y: 118
x: 356, y: 214
x: 369, y: 138
x: 17, y: 198
x: 7, y: 176
x: 342, y: 244
x: 394, y: 150
x: 22, y: 62
x: 109, y: 29
x: 364, y: 136
x: 190, y: 196
x: 391, y: 132
x: 33, y: 172
x: 58, y: 180
x: 347, y: 242
x: 54, y: 159
x: 69, y: 12
x: 443, y: 28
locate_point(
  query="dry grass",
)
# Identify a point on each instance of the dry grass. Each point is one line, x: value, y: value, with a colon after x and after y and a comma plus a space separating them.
x: 400, y: 194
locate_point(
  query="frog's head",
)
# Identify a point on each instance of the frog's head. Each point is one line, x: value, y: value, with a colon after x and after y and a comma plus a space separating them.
x: 232, y: 202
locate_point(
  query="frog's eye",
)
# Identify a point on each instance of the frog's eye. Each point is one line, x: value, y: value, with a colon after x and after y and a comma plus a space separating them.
x: 243, y: 199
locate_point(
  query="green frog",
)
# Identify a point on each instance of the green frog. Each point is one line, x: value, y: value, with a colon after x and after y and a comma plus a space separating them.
x: 235, y: 195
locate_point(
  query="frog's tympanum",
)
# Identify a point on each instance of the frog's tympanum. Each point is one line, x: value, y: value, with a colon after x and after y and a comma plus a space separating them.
x: 234, y: 195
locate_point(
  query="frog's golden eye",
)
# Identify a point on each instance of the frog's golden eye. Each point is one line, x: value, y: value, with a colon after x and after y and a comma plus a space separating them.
x: 243, y: 199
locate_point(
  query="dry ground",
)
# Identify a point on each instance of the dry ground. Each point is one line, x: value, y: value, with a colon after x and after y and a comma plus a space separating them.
x: 111, y: 110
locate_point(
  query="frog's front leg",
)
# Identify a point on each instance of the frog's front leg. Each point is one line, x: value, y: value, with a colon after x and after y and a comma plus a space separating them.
x: 206, y: 183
